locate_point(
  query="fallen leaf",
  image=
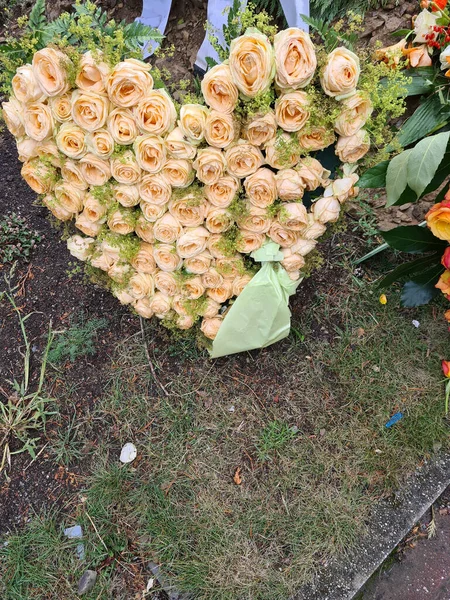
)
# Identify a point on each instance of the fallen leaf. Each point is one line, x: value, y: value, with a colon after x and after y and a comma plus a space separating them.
x: 237, y: 476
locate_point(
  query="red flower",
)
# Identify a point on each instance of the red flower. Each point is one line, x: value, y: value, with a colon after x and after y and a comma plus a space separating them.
x: 439, y: 5
x: 446, y: 367
x: 446, y: 258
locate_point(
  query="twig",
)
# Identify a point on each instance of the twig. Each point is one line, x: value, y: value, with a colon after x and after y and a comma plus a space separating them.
x: 37, y: 455
x: 150, y: 364
x: 96, y: 531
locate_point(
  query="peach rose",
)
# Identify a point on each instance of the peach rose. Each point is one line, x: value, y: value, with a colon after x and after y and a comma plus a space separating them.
x: 58, y: 211
x: 178, y: 172
x: 179, y: 305
x: 61, y: 107
x: 50, y: 69
x: 124, y: 297
x: 166, y: 283
x: 92, y: 73
x: 88, y: 227
x: 291, y: 111
x: 160, y: 305
x: 152, y: 212
x: 26, y: 148
x: 95, y: 170
x: 282, y: 152
x: 140, y: 285
x: 25, y: 86
x: 126, y: 195
x: 218, y: 220
x: 218, y: 89
x: 192, y: 242
x: 144, y: 229
x: 260, y: 129
x: 215, y: 245
x: 295, y: 59
x: 248, y: 241
x: 312, y: 139
x: 125, y: 168
x: 212, y: 278
x: 48, y: 152
x: 210, y: 327
x: 89, y: 110
x: 221, y: 129
x: 355, y: 112
x: 38, y: 121
x: 119, y: 272
x: 167, y: 258
x: 282, y: 236
x: 252, y: 62
x: 39, y: 176
x: 122, y: 126
x: 193, y: 122
x: 155, y: 189
x: 13, y: 116
x: 343, y: 188
x: 230, y: 267
x: 193, y: 288
x: 289, y: 184
x: 243, y: 159
x: 261, y: 188
x: 353, y: 148
x: 103, y: 260
x: 292, y: 261
x: 341, y: 73
x: 150, y: 152
x: 418, y: 56
x: 210, y: 165
x: 156, y: 113
x: 71, y: 198
x: 80, y: 247
x: 312, y: 173
x: 184, y: 322
x: 211, y: 309
x: 129, y: 82
x: 188, y: 209
x: 144, y: 261
x: 223, y: 192
x: 71, y: 172
x: 93, y: 208
x: 326, y: 210
x: 100, y: 143
x: 303, y: 246
x: 199, y: 263
x: 71, y: 140
x: 314, y: 230
x: 222, y: 293
x: 143, y: 307
x: 121, y: 221
x: 178, y: 146
x: 293, y: 216
x: 240, y: 282
x: 256, y: 220
x: 438, y: 220
x: 167, y: 229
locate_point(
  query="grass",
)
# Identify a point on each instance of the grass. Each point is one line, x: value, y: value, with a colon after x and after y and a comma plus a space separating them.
x: 77, y: 341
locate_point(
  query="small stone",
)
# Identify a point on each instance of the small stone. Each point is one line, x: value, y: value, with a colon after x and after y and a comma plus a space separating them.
x: 128, y: 453
x: 74, y: 533
x: 87, y: 582
x: 185, y: 35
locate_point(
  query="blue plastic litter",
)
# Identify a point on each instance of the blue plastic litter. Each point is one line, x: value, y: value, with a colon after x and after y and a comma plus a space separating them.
x: 393, y: 420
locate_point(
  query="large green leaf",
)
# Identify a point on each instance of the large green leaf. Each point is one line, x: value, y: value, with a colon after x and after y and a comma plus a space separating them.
x: 421, y: 80
x: 374, y: 177
x: 430, y: 116
x: 440, y: 176
x: 397, y: 177
x: 413, y: 239
x: 411, y: 268
x: 417, y: 294
x: 425, y: 159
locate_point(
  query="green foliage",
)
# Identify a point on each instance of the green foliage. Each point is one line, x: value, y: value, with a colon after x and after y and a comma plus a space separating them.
x: 275, y: 436
x: 331, y: 35
x: 76, y: 341
x: 17, y: 240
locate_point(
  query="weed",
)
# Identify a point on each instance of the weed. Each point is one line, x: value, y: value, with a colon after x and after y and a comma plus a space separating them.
x: 275, y: 436
x: 76, y: 341
x: 17, y: 240
x: 67, y: 447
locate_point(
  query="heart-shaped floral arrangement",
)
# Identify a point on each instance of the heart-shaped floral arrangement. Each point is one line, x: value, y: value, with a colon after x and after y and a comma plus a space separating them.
x: 172, y: 201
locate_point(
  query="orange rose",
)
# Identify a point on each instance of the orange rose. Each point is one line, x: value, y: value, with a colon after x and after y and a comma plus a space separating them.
x: 446, y: 368
x: 444, y: 283
x: 438, y: 220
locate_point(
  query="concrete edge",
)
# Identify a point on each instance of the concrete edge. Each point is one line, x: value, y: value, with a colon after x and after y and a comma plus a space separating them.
x: 390, y: 521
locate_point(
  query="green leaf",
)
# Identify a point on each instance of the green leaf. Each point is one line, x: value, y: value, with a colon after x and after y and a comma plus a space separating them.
x: 417, y: 294
x: 37, y: 19
x: 401, y: 32
x: 413, y: 239
x: 413, y: 267
x: 421, y: 80
x: 440, y: 176
x: 374, y: 177
x: 396, y: 177
x: 424, y: 161
x: 430, y: 116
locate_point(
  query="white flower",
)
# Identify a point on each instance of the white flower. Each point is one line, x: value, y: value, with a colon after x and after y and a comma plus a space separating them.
x: 422, y: 25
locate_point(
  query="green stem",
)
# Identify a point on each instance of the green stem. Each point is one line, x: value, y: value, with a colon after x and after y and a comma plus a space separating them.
x: 379, y: 249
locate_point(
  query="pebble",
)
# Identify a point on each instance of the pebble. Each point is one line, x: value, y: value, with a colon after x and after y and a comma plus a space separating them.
x: 128, y: 453
x: 87, y: 582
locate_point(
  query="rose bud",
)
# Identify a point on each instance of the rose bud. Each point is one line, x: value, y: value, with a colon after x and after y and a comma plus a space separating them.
x: 446, y: 367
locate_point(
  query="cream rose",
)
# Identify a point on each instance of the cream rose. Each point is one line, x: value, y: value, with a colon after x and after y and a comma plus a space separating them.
x: 150, y: 152
x: 343, y: 188
x: 25, y: 86
x: 144, y: 229
x: 125, y: 168
x: 71, y: 198
x: 243, y: 159
x: 252, y: 63
x: 292, y: 261
x: 341, y: 73
x: 92, y: 73
x: 314, y: 230
x: 89, y: 110
x: 193, y: 122
x: 129, y: 82
x: 102, y: 260
x: 312, y: 173
x: 71, y: 172
x: 124, y: 296
x: 192, y: 242
x: 282, y: 152
x: 326, y: 210
x: 312, y: 139
x: 218, y: 220
x: 50, y: 69
x: 189, y: 210
x: 210, y: 165
x: 80, y: 247
x: 353, y: 148
x: 167, y: 258
x: 95, y: 170
x: 141, y: 285
x: 144, y: 261
x: 156, y: 113
x: 48, y: 152
x: 13, y: 116
x: 121, y: 221
x: 303, y: 246
x: 222, y: 293
x: 119, y: 271
x: 260, y: 129
x: 221, y: 129
x: 293, y: 216
x: 283, y: 236
x: 355, y: 112
x: 178, y: 172
x: 291, y: 111
x: 215, y: 245
x: 26, y: 148
x: 122, y: 126
x: 290, y: 185
x: 93, y: 208
x: 295, y: 58
x: 166, y: 283
x: 230, y: 267
x: 100, y: 143
x: 126, y: 195
x: 38, y: 121
x: 179, y: 305
x: 58, y: 211
x: 261, y: 188
x: 193, y: 288
x: 61, y: 107
x: 178, y: 146
x: 185, y: 321
x: 256, y: 221
x: 39, y: 176
x: 143, y: 307
x: 210, y: 327
x: 155, y: 189
x: 211, y: 309
x: 167, y: 229
x: 160, y: 305
x: 248, y: 241
x: 199, y: 263
x: 88, y: 227
x: 152, y: 212
x: 218, y: 89
x: 212, y: 279
x: 71, y: 140
x: 240, y: 282
x: 223, y: 192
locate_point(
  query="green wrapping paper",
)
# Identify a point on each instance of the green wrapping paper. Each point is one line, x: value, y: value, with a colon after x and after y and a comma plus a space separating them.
x: 260, y: 316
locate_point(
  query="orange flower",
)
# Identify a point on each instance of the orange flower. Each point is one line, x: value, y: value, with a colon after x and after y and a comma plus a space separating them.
x: 444, y: 283
x: 447, y: 315
x: 438, y: 220
x: 446, y: 367
x: 438, y: 5
x: 418, y: 56
x: 391, y: 55
x: 446, y: 258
